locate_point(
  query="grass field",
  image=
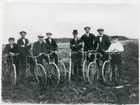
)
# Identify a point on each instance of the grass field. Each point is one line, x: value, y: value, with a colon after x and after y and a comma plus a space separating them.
x: 78, y: 91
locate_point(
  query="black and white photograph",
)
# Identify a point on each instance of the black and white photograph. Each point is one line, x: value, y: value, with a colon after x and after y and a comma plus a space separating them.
x: 70, y: 53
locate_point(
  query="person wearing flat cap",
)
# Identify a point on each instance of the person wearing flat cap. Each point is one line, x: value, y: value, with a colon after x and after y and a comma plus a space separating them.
x: 12, y: 49
x: 102, y: 43
x: 115, y: 48
x: 51, y: 46
x: 75, y: 46
x: 88, y: 39
x: 39, y: 48
x: 24, y: 50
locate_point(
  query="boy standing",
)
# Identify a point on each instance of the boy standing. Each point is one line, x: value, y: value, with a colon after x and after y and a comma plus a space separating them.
x: 116, y: 48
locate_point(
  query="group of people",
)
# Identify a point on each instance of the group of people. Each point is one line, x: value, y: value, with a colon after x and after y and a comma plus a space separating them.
x: 100, y: 43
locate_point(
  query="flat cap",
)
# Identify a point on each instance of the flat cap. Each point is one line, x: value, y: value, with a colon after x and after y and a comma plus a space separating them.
x: 115, y: 36
x: 87, y: 27
x: 100, y: 29
x: 40, y: 36
x: 48, y: 33
x: 22, y: 32
x: 11, y: 38
x: 75, y: 31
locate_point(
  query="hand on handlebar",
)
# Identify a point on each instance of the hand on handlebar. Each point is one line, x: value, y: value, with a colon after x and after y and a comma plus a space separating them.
x: 11, y: 53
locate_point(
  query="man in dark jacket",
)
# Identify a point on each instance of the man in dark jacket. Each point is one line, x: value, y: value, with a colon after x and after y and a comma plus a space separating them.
x: 39, y: 48
x: 24, y: 47
x: 89, y: 40
x: 12, y: 49
x: 102, y: 43
x: 76, y: 56
x: 51, y: 46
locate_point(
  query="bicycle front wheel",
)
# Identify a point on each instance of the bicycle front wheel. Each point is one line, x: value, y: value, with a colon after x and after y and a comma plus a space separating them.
x: 84, y: 70
x: 62, y: 70
x: 107, y: 72
x: 92, y: 73
x: 13, y: 75
x: 40, y: 74
x: 54, y: 73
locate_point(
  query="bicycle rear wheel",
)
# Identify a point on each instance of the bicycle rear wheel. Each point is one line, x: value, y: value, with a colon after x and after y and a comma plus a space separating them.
x: 84, y: 70
x: 62, y: 70
x: 92, y: 73
x: 54, y: 73
x: 107, y: 72
x: 40, y: 74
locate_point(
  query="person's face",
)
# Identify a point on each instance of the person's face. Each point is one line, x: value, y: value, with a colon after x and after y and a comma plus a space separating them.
x: 87, y: 30
x: 49, y: 36
x: 11, y: 41
x: 23, y: 35
x: 100, y: 32
x: 75, y: 35
x: 114, y: 40
x: 40, y: 39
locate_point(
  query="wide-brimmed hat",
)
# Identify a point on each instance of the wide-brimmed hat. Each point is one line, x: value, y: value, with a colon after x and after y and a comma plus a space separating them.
x: 87, y: 27
x: 22, y: 32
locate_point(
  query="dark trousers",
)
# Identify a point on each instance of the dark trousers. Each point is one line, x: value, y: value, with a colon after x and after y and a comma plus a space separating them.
x: 54, y: 57
x: 40, y: 59
x: 23, y: 61
x: 116, y: 61
x: 77, y: 63
x: 16, y: 62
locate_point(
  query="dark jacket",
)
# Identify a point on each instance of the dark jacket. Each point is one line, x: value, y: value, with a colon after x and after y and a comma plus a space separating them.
x: 51, y: 46
x: 39, y: 48
x: 8, y: 49
x: 104, y: 44
x: 88, y: 41
x: 74, y: 45
x: 23, y: 50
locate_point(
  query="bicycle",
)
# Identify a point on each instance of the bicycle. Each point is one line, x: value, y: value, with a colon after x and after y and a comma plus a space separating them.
x: 39, y: 70
x: 52, y: 70
x: 93, y: 69
x: 107, y: 68
x: 71, y: 72
x: 62, y: 69
x: 9, y: 69
x: 85, y: 63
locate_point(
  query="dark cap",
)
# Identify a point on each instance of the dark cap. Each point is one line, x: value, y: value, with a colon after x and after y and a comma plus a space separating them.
x: 22, y: 32
x: 48, y: 33
x: 40, y: 36
x: 115, y: 37
x: 11, y: 38
x: 100, y: 29
x: 75, y: 32
x: 87, y: 27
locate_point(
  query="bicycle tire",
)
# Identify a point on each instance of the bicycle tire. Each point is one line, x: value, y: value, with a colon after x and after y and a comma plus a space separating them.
x: 107, y: 66
x: 40, y: 74
x: 92, y: 73
x: 51, y: 65
x: 62, y: 69
x: 84, y: 70
x: 13, y: 75
x: 69, y: 77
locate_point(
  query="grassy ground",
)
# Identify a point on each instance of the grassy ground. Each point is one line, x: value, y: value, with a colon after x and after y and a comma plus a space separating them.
x: 78, y: 91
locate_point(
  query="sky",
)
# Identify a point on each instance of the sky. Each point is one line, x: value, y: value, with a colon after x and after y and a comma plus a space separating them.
x: 61, y: 18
